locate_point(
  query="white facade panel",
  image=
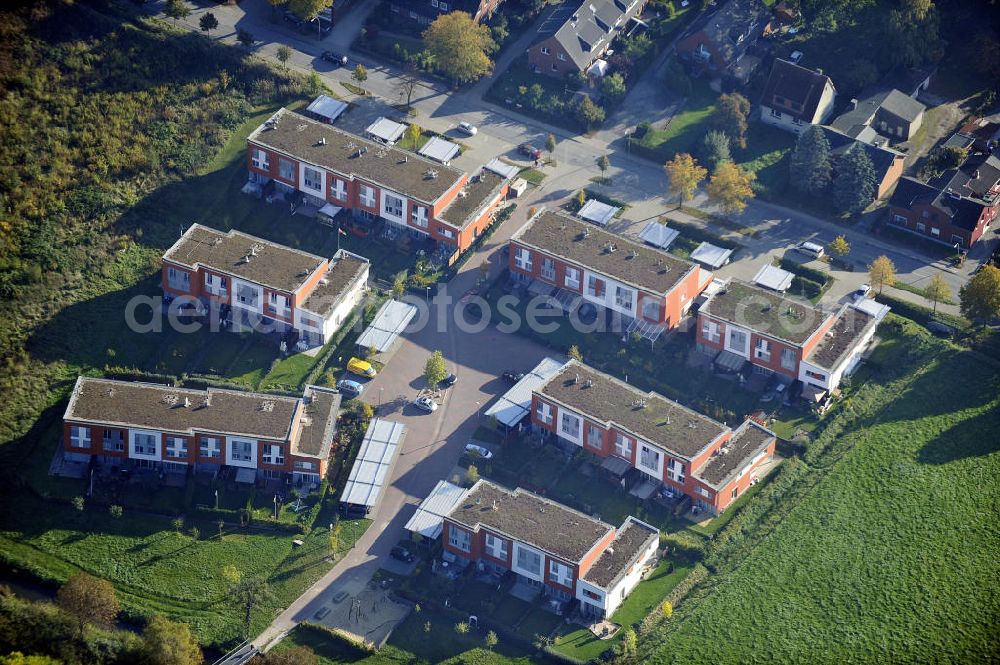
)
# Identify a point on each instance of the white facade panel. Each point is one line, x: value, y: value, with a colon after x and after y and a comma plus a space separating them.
x: 139, y: 441
x: 238, y: 448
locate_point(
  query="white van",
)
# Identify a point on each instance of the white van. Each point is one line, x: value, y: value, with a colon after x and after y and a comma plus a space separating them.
x: 810, y: 248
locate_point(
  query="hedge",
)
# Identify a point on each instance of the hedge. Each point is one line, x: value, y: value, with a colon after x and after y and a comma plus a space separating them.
x: 817, y: 276
x: 702, y: 235
x: 922, y: 315
x: 807, y: 288
x: 133, y: 374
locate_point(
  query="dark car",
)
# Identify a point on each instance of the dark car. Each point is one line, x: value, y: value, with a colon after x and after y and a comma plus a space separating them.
x: 293, y: 19
x: 529, y: 150
x: 513, y: 377
x: 448, y: 381
x: 402, y: 554
x: 337, y: 59
x: 940, y: 329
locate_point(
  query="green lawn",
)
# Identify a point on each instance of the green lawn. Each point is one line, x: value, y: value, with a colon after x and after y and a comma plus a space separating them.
x: 685, y: 129
x: 581, y: 644
x: 767, y: 155
x: 892, y: 552
x: 290, y: 372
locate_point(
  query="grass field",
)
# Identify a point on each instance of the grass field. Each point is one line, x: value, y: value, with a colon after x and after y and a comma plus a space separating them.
x: 893, y: 552
x: 686, y: 128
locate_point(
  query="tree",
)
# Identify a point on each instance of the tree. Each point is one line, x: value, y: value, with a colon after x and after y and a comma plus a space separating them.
x: 166, y: 642
x: 88, y: 599
x: 435, y: 370
x: 589, y: 113
x: 283, y: 53
x: 667, y: 608
x: 574, y: 353
x: 581, y: 199
x: 882, y: 272
x: 334, y: 538
x: 412, y: 134
x: 731, y: 112
x: 231, y: 575
x: 177, y: 9
x: 858, y: 74
x: 307, y: 10
x: 810, y: 162
x: 484, y: 270
x: 297, y: 655
x: 980, y: 297
x: 18, y: 658
x: 911, y: 35
x: 730, y: 187
x: 245, y: 38
x: 630, y: 642
x: 78, y: 504
x: 684, y: 175
x: 471, y: 475
x: 676, y: 79
x: 406, y: 86
x: 247, y: 594
x: 461, y: 628
x: 194, y: 532
x: 613, y: 86
x: 459, y: 46
x: 854, y: 186
x: 839, y: 246
x: 603, y: 163
x: 115, y: 511
x: 208, y: 22
x: 360, y: 73
x: 715, y: 149
x: 314, y: 84
x: 492, y: 640
x: 399, y: 285
x: 177, y: 523
x: 937, y: 290
x: 550, y: 143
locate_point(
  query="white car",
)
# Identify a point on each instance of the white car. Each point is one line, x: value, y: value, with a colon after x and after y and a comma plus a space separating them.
x: 425, y: 404
x: 478, y: 451
x: 468, y: 128
x: 861, y: 292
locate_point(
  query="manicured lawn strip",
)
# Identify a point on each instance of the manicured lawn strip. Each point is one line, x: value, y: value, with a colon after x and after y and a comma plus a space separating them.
x: 223, y: 347
x: 532, y: 176
x: 902, y: 525
x: 290, y: 372
x: 903, y: 286
x: 253, y: 362
x: 767, y: 155
x: 684, y: 130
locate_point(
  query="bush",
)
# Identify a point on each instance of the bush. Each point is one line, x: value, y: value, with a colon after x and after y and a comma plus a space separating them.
x: 922, y: 315
x: 812, y: 274
x: 683, y: 545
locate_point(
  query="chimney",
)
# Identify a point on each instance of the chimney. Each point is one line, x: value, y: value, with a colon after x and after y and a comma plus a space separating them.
x: 819, y: 71
x: 854, y: 104
x: 187, y: 403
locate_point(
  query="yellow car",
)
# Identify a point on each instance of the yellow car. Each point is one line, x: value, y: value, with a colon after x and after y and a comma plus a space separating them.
x: 361, y: 367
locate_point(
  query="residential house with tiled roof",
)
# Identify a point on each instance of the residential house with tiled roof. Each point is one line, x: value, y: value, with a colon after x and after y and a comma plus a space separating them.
x: 796, y: 97
x: 423, y: 12
x: 889, y: 112
x: 718, y: 40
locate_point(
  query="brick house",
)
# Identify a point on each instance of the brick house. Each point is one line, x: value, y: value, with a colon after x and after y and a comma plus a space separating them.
x: 672, y: 445
x: 888, y: 163
x: 607, y: 270
x: 795, y: 97
x: 563, y: 553
x: 423, y: 12
x: 382, y: 186
x: 261, y: 285
x: 789, y: 338
x: 584, y: 38
x: 886, y: 111
x: 718, y: 40
x: 956, y: 208
x: 125, y: 423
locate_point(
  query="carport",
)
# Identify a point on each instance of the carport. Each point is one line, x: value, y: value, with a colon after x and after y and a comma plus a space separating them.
x: 327, y: 108
x: 502, y: 168
x: 439, y: 150
x: 429, y: 519
x: 597, y: 212
x: 658, y: 235
x: 515, y: 404
x: 773, y: 278
x: 385, y: 130
x: 391, y: 320
x: 372, y: 469
x: 711, y: 256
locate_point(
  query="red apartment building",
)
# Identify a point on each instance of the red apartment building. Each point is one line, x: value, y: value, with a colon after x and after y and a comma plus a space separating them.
x: 605, y: 269
x: 688, y: 452
x: 125, y: 423
x: 562, y: 552
x: 261, y: 282
x: 791, y: 338
x: 376, y: 182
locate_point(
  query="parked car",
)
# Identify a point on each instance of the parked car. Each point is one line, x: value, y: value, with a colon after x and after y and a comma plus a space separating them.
x: 861, y: 292
x: 512, y: 377
x: 448, y: 381
x: 293, y: 19
x: 349, y: 386
x: 529, y: 151
x: 337, y: 59
x: 361, y: 367
x: 478, y: 451
x: 322, y: 612
x: 811, y: 249
x: 400, y: 553
x: 940, y: 329
x: 468, y: 128
x: 425, y: 404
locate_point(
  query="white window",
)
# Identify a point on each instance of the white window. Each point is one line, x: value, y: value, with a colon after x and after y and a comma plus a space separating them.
x: 623, y: 297
x: 737, y: 341
x: 651, y: 310
x: 176, y: 446
x: 710, y: 331
x: 650, y: 460
x: 594, y: 286
x: 522, y: 259
x: 114, y: 440
x: 570, y: 425
x: 544, y: 413
x: 572, y: 278
x: 623, y: 445
x: 241, y: 451
x: 278, y: 303
x: 273, y: 454
x: 545, y: 50
x: 144, y: 444
x: 259, y: 160
x: 560, y: 573
x: 447, y: 233
x: 79, y: 437
x: 305, y: 466
x: 736, y: 490
x: 921, y: 227
x: 675, y: 471
x: 788, y: 359
x: 762, y: 350
x: 419, y: 216
x: 392, y: 206
x: 899, y: 219
x: 286, y: 169
x: 548, y: 269
x: 815, y: 375
x: 339, y: 190
x: 704, y: 492
x: 957, y: 240
x: 312, y: 179
x: 561, y: 56
x: 459, y: 538
x: 529, y: 561
x: 496, y: 547
x: 595, y: 438
x: 367, y: 196
x: 216, y: 284
x: 935, y: 231
x: 210, y: 447
x: 179, y: 280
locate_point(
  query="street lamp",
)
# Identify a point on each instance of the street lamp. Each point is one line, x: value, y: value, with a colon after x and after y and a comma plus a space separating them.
x: 275, y: 506
x: 216, y: 499
x: 427, y: 293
